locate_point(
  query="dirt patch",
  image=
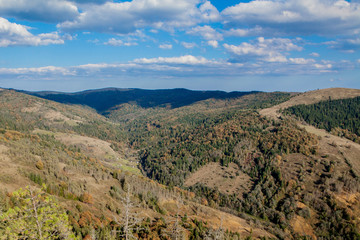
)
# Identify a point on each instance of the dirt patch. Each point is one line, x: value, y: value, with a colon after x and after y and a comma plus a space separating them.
x: 10, y: 178
x: 95, y: 148
x: 227, y: 180
x: 34, y: 109
x: 216, y: 218
x: 302, y: 227
x: 342, y: 147
x: 58, y: 117
x: 348, y: 199
x: 338, y: 149
x: 52, y: 115
x: 310, y: 98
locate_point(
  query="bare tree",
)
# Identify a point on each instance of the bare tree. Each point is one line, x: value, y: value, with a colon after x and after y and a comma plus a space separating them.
x: 131, y: 220
x: 176, y: 232
x: 218, y: 234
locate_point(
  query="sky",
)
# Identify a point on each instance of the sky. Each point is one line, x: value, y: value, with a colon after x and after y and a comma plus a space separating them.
x: 264, y: 45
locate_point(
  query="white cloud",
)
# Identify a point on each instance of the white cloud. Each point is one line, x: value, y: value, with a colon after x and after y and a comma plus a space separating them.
x: 37, y: 71
x: 213, y: 43
x: 209, y: 12
x: 292, y: 17
x: 119, y: 42
x: 188, y: 45
x: 187, y: 59
x: 207, y: 32
x: 323, y: 66
x: 126, y: 17
x: 181, y: 67
x: 268, y: 50
x: 345, y: 45
x: 91, y: 1
x: 12, y: 34
x: 244, y: 32
x: 301, y: 60
x: 39, y: 10
x: 314, y: 54
x: 165, y: 46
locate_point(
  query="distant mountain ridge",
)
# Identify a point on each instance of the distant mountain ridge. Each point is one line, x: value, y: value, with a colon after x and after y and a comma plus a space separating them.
x: 107, y: 98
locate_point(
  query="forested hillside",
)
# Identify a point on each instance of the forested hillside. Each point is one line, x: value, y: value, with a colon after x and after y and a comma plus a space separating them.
x: 341, y: 117
x: 214, y: 169
x: 104, y: 99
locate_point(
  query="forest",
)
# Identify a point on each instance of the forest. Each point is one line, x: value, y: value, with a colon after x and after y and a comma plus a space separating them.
x: 340, y: 117
x: 104, y: 196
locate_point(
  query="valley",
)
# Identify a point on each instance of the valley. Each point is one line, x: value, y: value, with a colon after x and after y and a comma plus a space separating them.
x: 211, y: 165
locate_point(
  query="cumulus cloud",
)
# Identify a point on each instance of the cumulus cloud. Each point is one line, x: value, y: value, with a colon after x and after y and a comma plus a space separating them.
x: 268, y: 50
x: 165, y: 46
x: 38, y: 71
x: 245, y: 32
x: 207, y: 32
x: 39, y: 10
x: 314, y: 54
x: 301, y: 60
x: 213, y: 43
x: 188, y: 45
x: 118, y: 42
x: 209, y: 12
x: 187, y: 60
x: 188, y: 66
x: 125, y: 17
x: 12, y: 34
x: 91, y: 1
x: 292, y: 17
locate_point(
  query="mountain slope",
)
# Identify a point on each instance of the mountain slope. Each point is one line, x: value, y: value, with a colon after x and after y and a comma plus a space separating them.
x: 104, y: 99
x: 312, y: 97
x: 88, y: 175
x: 220, y: 160
x: 333, y: 172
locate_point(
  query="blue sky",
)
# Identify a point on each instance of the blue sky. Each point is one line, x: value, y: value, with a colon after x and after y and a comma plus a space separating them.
x: 267, y: 45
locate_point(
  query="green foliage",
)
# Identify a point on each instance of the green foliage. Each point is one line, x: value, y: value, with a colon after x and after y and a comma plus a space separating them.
x: 36, y: 178
x: 331, y: 115
x: 34, y: 215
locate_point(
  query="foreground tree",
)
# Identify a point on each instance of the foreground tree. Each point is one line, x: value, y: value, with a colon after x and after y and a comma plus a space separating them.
x: 130, y: 221
x: 34, y: 215
x: 176, y: 231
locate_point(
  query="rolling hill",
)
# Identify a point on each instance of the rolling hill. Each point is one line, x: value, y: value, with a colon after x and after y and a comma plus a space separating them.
x: 204, y: 165
x: 104, y: 99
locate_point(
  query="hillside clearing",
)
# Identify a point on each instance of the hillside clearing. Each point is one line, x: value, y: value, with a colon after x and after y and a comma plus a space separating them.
x: 227, y: 180
x: 310, y: 98
x: 96, y: 148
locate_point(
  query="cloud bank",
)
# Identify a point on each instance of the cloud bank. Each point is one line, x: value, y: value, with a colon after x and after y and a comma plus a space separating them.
x: 12, y: 34
x: 293, y: 17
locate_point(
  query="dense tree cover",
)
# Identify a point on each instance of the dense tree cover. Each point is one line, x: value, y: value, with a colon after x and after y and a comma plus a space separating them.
x: 175, y: 147
x: 340, y: 116
x: 241, y: 137
x: 104, y: 99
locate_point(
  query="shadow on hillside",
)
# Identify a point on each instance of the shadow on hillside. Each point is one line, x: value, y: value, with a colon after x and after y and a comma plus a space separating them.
x: 105, y: 99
